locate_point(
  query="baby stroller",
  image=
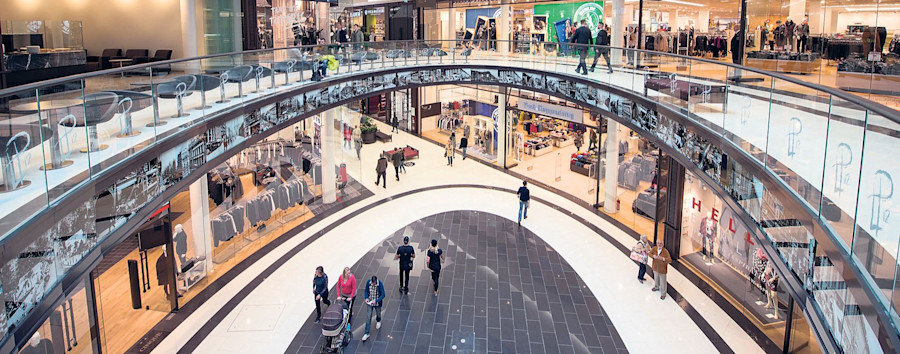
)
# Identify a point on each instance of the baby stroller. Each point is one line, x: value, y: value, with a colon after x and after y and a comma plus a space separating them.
x: 335, y: 328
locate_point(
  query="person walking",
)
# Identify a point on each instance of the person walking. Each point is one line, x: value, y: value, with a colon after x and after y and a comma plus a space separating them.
x: 524, y: 196
x: 346, y: 287
x: 434, y: 259
x: 450, y: 149
x: 661, y: 262
x: 395, y: 124
x: 642, y: 248
x: 320, y: 290
x: 374, y: 296
x: 593, y: 139
x: 357, y: 139
x: 463, y: 145
x: 381, y: 171
x: 579, y: 140
x: 602, y: 42
x: 356, y: 37
x: 582, y: 36
x: 403, y: 161
x: 397, y: 160
x: 405, y: 254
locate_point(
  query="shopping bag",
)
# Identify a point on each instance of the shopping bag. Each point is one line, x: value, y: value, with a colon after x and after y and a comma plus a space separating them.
x: 637, y: 256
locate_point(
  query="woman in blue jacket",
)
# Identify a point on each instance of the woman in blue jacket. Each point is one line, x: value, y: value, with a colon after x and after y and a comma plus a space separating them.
x: 374, y: 295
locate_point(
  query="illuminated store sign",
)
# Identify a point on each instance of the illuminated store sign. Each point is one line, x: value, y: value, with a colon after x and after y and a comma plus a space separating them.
x: 551, y: 110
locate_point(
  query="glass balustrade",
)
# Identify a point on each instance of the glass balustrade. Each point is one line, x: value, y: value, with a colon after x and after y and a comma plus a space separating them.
x: 829, y: 150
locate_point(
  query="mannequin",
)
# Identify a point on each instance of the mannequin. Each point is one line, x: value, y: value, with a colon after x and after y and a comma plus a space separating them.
x: 803, y: 36
x: 770, y: 279
x: 708, y: 230
x: 779, y: 34
x: 789, y: 28
x: 38, y: 345
x: 180, y: 239
x: 763, y: 37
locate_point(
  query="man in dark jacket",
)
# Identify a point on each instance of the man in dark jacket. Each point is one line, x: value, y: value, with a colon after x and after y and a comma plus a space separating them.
x: 374, y: 291
x: 582, y: 36
x: 602, y: 40
x: 395, y: 124
x: 397, y: 159
x: 381, y: 169
x: 320, y: 290
x: 405, y: 255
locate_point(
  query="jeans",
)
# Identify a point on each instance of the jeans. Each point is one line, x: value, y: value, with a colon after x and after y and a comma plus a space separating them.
x: 582, y: 65
x: 436, y: 276
x: 523, y: 209
x: 450, y: 160
x: 381, y: 176
x: 660, y: 283
x: 605, y: 54
x: 404, y: 278
x: 464, y: 153
x: 642, y: 269
x: 324, y: 300
x: 377, y: 310
x: 397, y: 172
x: 403, y: 167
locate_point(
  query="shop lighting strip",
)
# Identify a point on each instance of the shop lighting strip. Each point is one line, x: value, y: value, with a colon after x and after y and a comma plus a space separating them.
x: 674, y: 2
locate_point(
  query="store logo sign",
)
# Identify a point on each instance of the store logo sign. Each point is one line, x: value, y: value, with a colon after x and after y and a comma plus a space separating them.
x: 714, y: 216
x: 793, y: 142
x: 551, y: 110
x: 882, y: 190
x: 842, y: 162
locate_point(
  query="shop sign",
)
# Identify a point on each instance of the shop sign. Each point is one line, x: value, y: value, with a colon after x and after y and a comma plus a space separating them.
x: 430, y: 110
x: 551, y: 110
x: 356, y: 13
x: 374, y: 11
x: 714, y: 216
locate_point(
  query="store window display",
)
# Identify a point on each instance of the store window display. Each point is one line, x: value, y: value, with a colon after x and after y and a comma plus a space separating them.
x: 716, y: 244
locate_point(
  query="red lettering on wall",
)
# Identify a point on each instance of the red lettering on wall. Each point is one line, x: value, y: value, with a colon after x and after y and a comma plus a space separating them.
x: 715, y: 215
x: 731, y: 225
x: 749, y: 240
x: 695, y: 203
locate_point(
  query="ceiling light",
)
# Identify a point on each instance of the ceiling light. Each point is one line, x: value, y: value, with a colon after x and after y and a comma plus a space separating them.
x: 673, y: 2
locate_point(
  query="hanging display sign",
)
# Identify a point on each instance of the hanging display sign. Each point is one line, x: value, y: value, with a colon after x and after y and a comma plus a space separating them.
x: 551, y: 110
x: 374, y: 11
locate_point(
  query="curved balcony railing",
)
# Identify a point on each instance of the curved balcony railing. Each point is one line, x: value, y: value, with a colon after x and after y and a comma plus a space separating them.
x: 830, y: 149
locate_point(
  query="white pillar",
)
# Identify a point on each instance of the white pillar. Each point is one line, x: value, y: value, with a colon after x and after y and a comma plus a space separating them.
x: 200, y: 227
x: 617, y: 23
x: 451, y: 25
x: 323, y: 23
x: 612, y: 167
x: 816, y: 17
x: 702, y: 21
x: 797, y: 11
x: 329, y: 140
x: 500, y: 128
x: 237, y: 42
x: 503, y: 30
x: 189, y: 29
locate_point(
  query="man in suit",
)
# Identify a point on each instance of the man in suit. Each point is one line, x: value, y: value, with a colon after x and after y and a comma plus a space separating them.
x: 661, y: 260
x: 582, y: 36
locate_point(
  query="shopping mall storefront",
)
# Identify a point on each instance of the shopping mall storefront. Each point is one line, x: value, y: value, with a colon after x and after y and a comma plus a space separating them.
x: 851, y: 46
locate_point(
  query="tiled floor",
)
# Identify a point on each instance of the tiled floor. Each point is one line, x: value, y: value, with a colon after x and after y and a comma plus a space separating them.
x: 501, y: 285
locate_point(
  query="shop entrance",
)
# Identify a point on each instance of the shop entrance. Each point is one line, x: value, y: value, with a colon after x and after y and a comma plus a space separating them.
x: 135, y: 284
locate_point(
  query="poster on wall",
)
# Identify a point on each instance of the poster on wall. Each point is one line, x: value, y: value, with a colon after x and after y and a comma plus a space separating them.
x: 572, y: 14
x: 539, y: 24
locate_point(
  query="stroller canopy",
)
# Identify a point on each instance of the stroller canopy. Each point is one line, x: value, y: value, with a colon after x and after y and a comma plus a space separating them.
x: 333, y: 318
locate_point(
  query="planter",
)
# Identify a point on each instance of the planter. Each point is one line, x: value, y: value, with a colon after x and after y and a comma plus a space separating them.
x: 368, y: 138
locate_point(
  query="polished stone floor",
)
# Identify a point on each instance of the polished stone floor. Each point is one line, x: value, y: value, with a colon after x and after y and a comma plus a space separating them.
x: 503, y: 289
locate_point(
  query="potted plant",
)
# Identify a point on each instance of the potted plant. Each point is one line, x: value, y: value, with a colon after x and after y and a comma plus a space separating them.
x: 368, y: 130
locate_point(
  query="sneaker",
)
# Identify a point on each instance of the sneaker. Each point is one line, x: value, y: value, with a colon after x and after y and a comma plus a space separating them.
x: 317, y: 320
x: 655, y: 289
x: 401, y: 290
x: 525, y: 217
x: 378, y: 325
x: 592, y: 70
x: 662, y: 297
x: 365, y: 336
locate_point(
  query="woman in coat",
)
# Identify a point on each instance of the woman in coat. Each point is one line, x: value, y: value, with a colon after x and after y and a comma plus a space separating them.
x: 450, y: 149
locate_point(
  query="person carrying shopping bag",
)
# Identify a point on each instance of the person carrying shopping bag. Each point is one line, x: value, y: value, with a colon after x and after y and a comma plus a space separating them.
x: 639, y: 254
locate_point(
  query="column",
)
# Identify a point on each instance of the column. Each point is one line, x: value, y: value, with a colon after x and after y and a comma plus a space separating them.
x: 451, y: 25
x: 501, y: 128
x: 816, y: 17
x: 617, y: 23
x: 200, y: 227
x: 797, y: 11
x: 329, y: 140
x: 189, y: 29
x: 702, y: 21
x: 503, y: 30
x: 322, y: 22
x: 612, y: 167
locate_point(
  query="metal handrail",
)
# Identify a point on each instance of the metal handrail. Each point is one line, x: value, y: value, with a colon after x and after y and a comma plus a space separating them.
x: 887, y: 112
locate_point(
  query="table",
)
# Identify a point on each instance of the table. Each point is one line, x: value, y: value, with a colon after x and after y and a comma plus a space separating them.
x: 138, y: 85
x: 52, y: 109
x: 121, y: 63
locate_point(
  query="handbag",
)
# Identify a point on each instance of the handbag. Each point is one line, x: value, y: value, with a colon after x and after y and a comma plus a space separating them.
x: 636, y: 256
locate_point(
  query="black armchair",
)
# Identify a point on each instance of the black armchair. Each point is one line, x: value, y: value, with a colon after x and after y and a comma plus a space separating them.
x: 160, y: 55
x: 101, y: 62
x: 134, y: 54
